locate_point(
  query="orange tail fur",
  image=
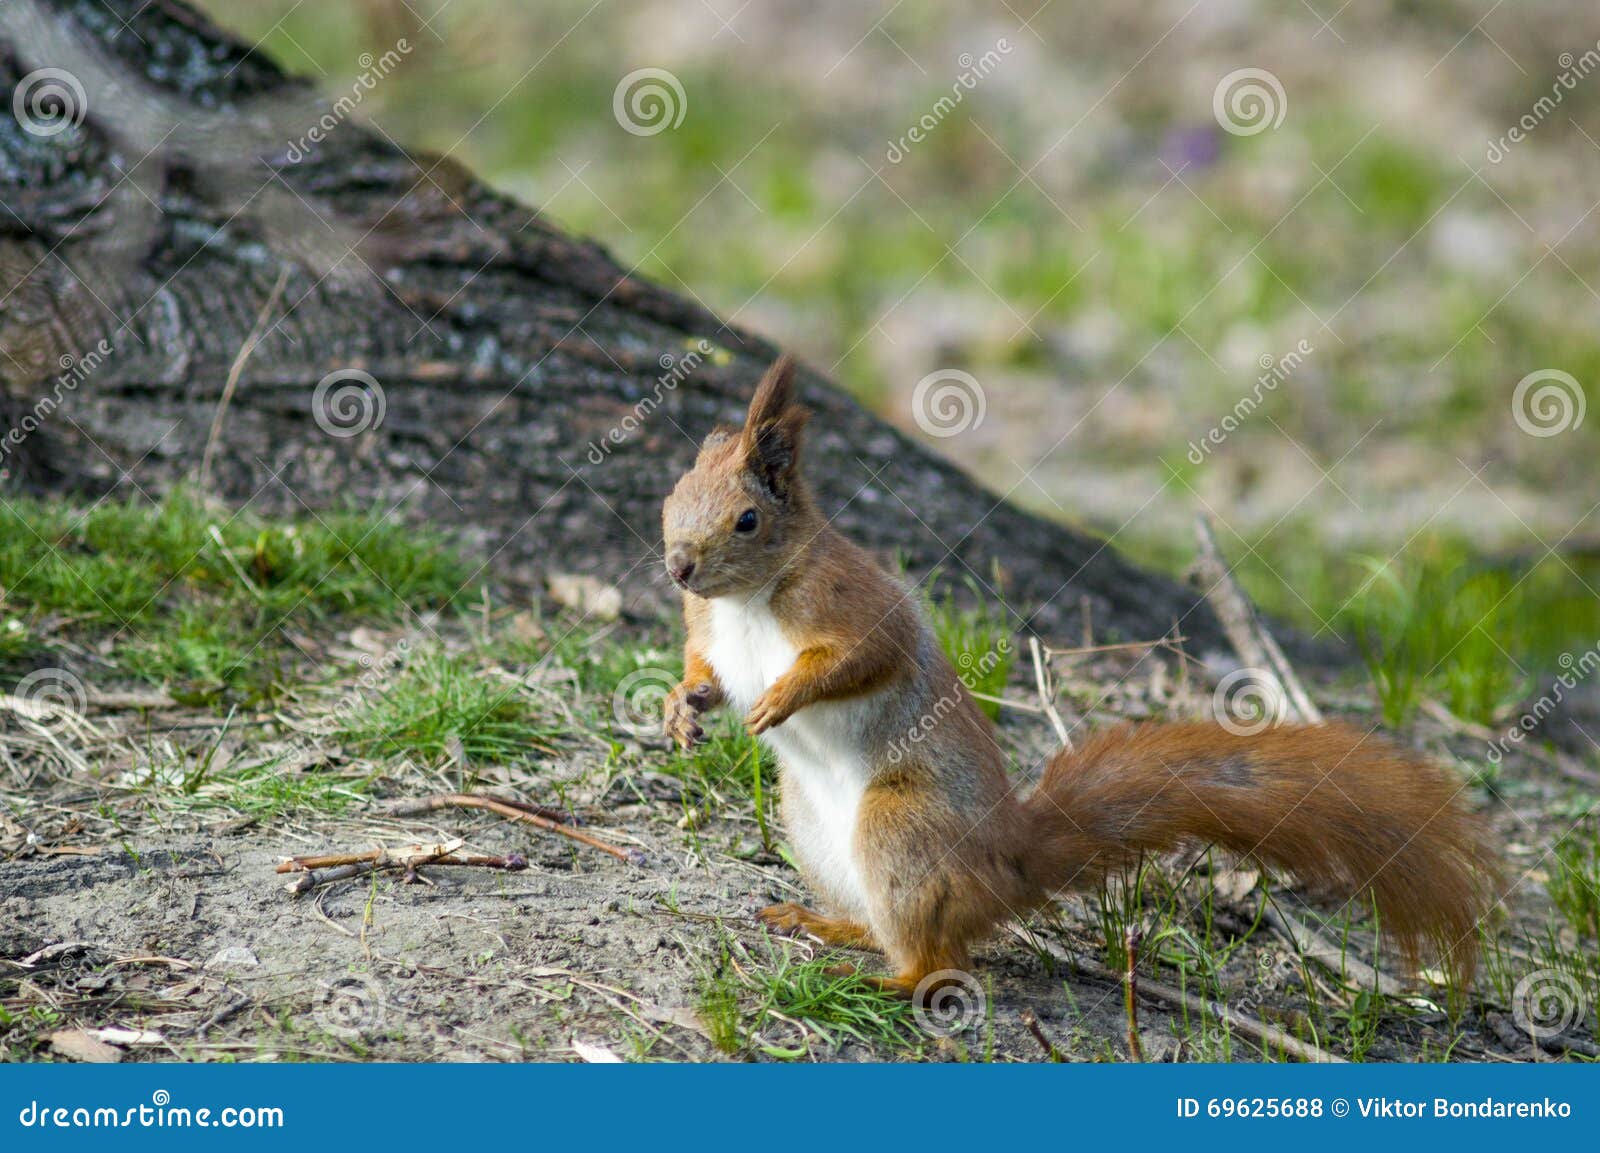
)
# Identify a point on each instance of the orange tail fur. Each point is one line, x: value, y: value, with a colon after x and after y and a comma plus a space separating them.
x: 1342, y: 810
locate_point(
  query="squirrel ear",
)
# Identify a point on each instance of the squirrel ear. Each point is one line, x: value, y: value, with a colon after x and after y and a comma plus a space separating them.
x: 771, y: 436
x: 773, y: 395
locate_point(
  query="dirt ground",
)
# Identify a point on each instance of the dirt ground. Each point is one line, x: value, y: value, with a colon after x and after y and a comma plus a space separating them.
x: 170, y: 928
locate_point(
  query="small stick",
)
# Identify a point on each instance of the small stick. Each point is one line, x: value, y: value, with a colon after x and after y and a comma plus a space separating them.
x: 514, y: 813
x: 1006, y: 702
x: 1315, y: 947
x: 235, y: 370
x: 1513, y: 1039
x: 411, y: 808
x: 372, y: 856
x: 1087, y: 607
x: 1260, y: 1031
x: 1156, y: 644
x: 1255, y: 646
x: 309, y: 878
x: 1130, y: 992
x: 1031, y: 1022
x: 1041, y: 680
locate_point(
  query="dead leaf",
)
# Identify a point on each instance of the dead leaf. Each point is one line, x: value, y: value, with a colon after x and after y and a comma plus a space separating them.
x: 113, y: 1035
x: 1233, y: 885
x: 595, y: 1054
x: 81, y: 1046
x: 587, y: 594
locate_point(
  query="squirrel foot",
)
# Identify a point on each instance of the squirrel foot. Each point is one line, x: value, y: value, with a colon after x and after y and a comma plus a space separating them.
x: 792, y: 919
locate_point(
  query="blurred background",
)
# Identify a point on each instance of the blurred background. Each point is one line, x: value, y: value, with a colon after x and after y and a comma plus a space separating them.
x: 1327, y: 272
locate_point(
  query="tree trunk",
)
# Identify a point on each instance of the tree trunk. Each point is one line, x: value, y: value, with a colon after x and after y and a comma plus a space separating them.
x: 490, y: 374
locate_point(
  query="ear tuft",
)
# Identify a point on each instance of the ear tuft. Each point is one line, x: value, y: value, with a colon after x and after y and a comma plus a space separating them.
x: 771, y: 434
x: 774, y: 394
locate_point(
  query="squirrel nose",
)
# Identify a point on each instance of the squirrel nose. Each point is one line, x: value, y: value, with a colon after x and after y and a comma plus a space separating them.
x: 680, y: 565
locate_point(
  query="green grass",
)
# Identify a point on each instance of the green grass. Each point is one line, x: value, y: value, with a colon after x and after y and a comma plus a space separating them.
x: 444, y: 704
x: 1574, y: 884
x: 197, y: 596
x: 977, y: 638
x: 801, y: 992
x: 1438, y: 619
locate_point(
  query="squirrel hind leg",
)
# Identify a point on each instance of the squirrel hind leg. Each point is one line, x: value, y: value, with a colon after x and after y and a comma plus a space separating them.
x: 923, y: 983
x: 836, y: 931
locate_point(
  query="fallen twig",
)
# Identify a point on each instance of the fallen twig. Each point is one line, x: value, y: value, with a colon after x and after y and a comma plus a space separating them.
x: 1255, y: 646
x: 343, y: 866
x: 403, y: 856
x: 1259, y: 1031
x: 257, y: 330
x: 1315, y: 947
x: 1042, y: 680
x: 514, y: 811
x: 1514, y: 1039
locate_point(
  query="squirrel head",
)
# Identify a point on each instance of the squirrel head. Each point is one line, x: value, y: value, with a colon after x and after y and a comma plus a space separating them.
x: 742, y: 512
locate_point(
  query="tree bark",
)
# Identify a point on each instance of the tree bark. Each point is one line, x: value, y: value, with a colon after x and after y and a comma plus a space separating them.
x: 174, y: 195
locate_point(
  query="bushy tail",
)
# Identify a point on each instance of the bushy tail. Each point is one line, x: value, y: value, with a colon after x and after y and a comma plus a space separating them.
x: 1344, y: 811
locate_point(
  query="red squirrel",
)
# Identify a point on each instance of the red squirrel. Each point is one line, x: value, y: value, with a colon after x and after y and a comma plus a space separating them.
x: 920, y: 845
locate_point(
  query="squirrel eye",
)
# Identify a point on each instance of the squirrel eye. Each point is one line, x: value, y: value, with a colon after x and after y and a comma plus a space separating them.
x: 746, y: 521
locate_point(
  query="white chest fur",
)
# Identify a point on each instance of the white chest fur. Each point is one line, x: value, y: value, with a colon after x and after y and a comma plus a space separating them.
x: 822, y: 748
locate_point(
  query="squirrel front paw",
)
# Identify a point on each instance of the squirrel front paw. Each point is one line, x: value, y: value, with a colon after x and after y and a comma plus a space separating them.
x: 771, y: 709
x: 681, y: 713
